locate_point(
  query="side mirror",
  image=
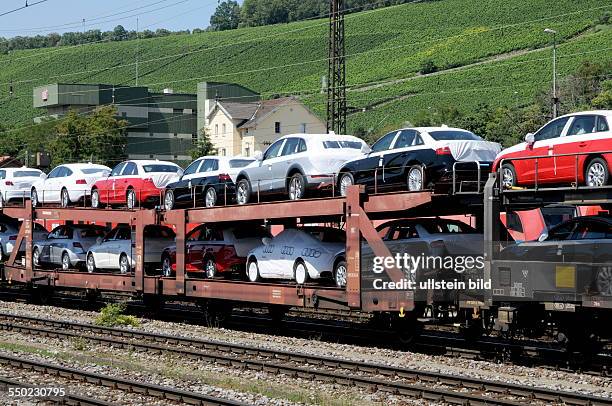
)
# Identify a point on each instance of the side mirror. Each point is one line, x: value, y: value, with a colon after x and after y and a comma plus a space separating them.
x: 266, y: 240
x: 258, y: 156
x: 529, y: 139
x: 543, y: 236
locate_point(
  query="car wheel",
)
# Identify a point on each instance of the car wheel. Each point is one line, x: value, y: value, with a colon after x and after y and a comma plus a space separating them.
x: 415, y: 179
x: 95, y: 199
x: 297, y: 187
x: 508, y: 174
x: 243, y: 191
x: 300, y: 273
x: 210, y: 267
x: 1, y: 200
x: 340, y: 274
x: 91, y: 263
x: 210, y: 197
x: 253, y: 271
x: 124, y: 264
x: 64, y: 199
x: 130, y: 199
x: 169, y: 200
x: 166, y: 266
x: 65, y: 261
x: 1, y: 253
x: 597, y: 173
x: 346, y: 180
x: 603, y: 281
x: 34, y: 198
x: 36, y: 256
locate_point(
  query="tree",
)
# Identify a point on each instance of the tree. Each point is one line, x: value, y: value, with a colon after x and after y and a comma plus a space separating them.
x: 226, y: 16
x: 119, y: 33
x: 203, y: 146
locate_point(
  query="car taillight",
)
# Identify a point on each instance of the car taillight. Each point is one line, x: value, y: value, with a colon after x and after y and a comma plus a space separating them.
x: 13, y: 238
x: 81, y: 182
x: 8, y: 183
x: 443, y: 151
x: 224, y: 177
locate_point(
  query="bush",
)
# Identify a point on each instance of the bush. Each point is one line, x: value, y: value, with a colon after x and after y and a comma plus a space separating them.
x: 428, y: 66
x: 112, y: 315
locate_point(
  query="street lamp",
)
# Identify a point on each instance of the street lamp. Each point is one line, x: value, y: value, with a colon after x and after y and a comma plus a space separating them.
x: 555, y: 99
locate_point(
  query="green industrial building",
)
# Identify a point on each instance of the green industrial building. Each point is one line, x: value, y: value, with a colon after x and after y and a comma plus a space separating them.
x: 161, y: 125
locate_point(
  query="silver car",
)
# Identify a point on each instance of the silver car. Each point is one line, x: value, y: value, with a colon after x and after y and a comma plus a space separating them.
x: 66, y: 245
x: 9, y: 230
x: 297, y: 163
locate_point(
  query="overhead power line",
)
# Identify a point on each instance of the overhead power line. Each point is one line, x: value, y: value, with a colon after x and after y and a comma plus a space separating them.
x: 22, y: 7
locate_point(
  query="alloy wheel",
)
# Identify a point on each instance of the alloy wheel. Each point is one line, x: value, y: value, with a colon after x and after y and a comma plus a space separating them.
x: 242, y: 193
x: 345, y: 182
x: 131, y: 199
x: 65, y: 261
x: 210, y: 200
x: 169, y: 200
x: 295, y: 187
x: 91, y: 263
x: 253, y: 271
x: 123, y: 264
x: 36, y: 257
x: 166, y: 267
x: 65, y: 198
x: 596, y: 175
x: 507, y: 177
x: 415, y: 179
x: 210, y: 268
x: 340, y: 275
x: 95, y: 199
x: 34, y: 198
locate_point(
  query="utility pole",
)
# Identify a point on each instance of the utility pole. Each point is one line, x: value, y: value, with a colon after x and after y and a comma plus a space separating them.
x: 555, y: 99
x: 137, y: 49
x: 336, y: 73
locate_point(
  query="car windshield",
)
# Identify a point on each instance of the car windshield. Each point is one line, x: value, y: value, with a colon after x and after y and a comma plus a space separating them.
x: 454, y: 135
x: 447, y: 227
x: 25, y: 174
x: 160, y: 168
x: 158, y: 232
x: 92, y: 232
x: 92, y: 171
x: 239, y: 163
x: 342, y: 144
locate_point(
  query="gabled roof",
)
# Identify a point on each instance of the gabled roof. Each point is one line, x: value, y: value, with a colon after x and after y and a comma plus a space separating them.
x: 236, y: 111
x: 266, y: 107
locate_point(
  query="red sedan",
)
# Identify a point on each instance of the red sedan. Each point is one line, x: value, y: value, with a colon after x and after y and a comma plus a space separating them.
x: 135, y: 183
x: 211, y: 250
x: 572, y: 148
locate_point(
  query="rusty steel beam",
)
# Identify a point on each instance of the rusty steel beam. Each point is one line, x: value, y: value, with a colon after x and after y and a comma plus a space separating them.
x: 179, y: 220
x: 353, y: 247
x: 274, y: 210
x: 96, y: 215
x: 395, y: 202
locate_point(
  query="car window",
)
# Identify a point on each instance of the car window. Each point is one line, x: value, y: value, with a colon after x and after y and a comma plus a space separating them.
x: 556, y: 215
x: 209, y: 165
x: 67, y: 172
x: 384, y: 143
x: 239, y: 163
x: 56, y: 232
x: 160, y: 168
x: 92, y: 171
x: 39, y: 227
x: 561, y: 232
x: 54, y: 172
x: 194, y: 235
x: 402, y: 232
x: 602, y: 124
x: 23, y: 174
x: 273, y: 150
x: 158, y: 232
x: 210, y: 234
x: 111, y: 235
x: 551, y: 130
x: 193, y: 167
x: 2, y: 174
x: 454, y: 135
x: 123, y: 233
x: 291, y: 146
x: 407, y: 138
x: 60, y: 172
x: 117, y: 169
x: 582, y: 125
x: 592, y: 230
x: 91, y: 232
x: 130, y: 169
x: 442, y: 226
x: 513, y: 222
x: 302, y: 147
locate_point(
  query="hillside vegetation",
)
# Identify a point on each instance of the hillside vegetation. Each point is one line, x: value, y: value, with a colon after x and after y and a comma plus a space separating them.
x: 497, y: 47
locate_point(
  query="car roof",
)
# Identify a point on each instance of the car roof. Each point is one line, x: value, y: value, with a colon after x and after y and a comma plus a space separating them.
x: 150, y: 162
x: 84, y: 166
x: 23, y: 168
x: 604, y: 218
x: 322, y: 137
x: 607, y: 113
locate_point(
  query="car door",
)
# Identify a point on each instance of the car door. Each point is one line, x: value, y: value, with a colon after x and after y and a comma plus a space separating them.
x: 61, y: 242
x: 51, y: 186
x: 182, y: 188
x: 543, y: 146
x: 407, y: 143
x: 371, y: 167
x: 576, y: 140
x: 289, y: 156
x: 207, y: 174
x: 45, y: 252
x: 128, y: 177
x: 107, y: 191
x: 261, y: 174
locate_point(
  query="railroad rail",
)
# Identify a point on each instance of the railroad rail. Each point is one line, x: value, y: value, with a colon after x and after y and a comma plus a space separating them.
x: 398, y: 380
x: 163, y: 392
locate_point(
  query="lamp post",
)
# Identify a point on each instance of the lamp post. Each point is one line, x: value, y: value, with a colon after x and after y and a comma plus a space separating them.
x: 555, y: 98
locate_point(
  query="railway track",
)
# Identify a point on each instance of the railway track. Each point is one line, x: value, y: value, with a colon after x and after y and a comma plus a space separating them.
x: 431, y: 386
x: 158, y: 391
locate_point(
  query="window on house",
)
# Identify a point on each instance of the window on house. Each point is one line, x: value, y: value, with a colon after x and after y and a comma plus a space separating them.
x: 277, y: 127
x: 223, y: 129
x: 216, y: 129
x: 194, y: 139
x: 177, y: 111
x: 222, y: 151
x: 247, y: 151
x: 303, y: 127
x: 123, y: 114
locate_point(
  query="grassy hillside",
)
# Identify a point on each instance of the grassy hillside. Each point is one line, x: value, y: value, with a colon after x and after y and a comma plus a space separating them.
x: 385, y: 47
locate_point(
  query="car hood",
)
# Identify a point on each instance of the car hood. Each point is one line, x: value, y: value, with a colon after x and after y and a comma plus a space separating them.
x: 515, y: 148
x: 471, y: 151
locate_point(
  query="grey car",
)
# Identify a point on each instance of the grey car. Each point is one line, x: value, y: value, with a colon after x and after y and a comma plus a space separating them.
x: 9, y: 230
x: 67, y: 245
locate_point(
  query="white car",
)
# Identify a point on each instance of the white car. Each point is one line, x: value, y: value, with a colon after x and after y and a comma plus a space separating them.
x: 115, y: 250
x: 298, y: 163
x: 16, y: 183
x: 300, y: 254
x: 67, y: 184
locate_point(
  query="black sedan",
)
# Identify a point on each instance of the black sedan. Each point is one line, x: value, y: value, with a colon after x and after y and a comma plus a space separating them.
x: 575, y: 256
x: 419, y: 158
x: 207, y: 181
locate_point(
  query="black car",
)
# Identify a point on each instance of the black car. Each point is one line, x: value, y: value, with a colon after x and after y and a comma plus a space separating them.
x: 420, y: 158
x: 574, y: 256
x: 207, y: 181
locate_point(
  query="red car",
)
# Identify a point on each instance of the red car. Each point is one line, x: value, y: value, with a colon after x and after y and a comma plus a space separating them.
x: 211, y: 250
x: 570, y: 149
x: 134, y: 183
